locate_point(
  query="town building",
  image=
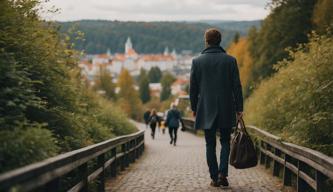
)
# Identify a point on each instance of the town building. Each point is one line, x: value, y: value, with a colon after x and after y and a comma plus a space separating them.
x: 131, y: 60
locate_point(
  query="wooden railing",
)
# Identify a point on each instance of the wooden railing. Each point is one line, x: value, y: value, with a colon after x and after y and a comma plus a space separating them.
x: 299, y: 167
x: 84, y: 169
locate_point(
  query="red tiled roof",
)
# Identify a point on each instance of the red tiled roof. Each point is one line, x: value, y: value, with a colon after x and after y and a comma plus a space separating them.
x: 103, y: 56
x: 131, y: 52
x: 181, y: 81
x: 157, y: 57
x: 119, y: 57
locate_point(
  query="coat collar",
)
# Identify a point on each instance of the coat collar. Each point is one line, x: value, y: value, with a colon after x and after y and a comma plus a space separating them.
x: 213, y: 49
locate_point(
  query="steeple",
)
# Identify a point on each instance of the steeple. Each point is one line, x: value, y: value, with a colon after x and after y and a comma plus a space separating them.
x: 128, y: 45
x: 173, y: 53
x: 108, y: 52
x: 166, y: 51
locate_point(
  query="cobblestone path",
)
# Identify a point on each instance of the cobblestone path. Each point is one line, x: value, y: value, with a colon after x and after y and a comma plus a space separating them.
x: 164, y: 167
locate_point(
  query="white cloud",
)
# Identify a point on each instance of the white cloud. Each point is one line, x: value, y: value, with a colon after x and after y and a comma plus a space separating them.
x: 158, y: 10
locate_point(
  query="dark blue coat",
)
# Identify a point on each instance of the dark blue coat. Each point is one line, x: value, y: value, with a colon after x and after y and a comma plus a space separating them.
x: 173, y: 118
x: 215, y: 88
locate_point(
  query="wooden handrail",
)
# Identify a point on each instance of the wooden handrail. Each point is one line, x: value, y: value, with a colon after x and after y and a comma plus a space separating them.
x: 48, y: 174
x: 309, y: 168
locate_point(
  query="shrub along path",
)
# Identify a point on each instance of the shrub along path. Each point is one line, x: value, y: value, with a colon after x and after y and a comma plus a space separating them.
x: 183, y: 168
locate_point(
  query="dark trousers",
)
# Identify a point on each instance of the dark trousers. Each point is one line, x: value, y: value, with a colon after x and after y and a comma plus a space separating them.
x: 173, y: 133
x: 153, y: 128
x: 210, y: 137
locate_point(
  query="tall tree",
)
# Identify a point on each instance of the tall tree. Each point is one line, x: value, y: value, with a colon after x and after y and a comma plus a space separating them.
x: 128, y: 96
x: 287, y: 25
x: 244, y: 61
x: 166, y: 82
x: 236, y: 38
x: 105, y: 82
x: 144, y: 89
x: 155, y: 75
x: 143, y: 74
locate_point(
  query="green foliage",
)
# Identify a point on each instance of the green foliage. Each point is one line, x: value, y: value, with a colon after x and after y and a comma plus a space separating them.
x: 236, y: 38
x: 240, y: 51
x: 110, y: 114
x: 158, y: 105
x: 166, y: 83
x: 104, y: 82
x: 241, y: 27
x: 323, y: 16
x: 25, y: 145
x: 144, y: 87
x: 44, y: 108
x: 296, y: 102
x: 147, y: 37
x: 143, y: 74
x: 287, y: 25
x: 155, y: 75
x: 129, y: 100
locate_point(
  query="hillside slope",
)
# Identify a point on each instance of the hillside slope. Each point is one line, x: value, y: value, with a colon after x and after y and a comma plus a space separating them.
x: 147, y: 37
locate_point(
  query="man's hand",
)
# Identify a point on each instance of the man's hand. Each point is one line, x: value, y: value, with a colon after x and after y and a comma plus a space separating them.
x: 239, y: 114
x: 194, y: 113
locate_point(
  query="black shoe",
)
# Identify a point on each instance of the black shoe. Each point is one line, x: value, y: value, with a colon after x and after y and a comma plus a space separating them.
x: 171, y: 141
x: 223, y: 181
x: 174, y: 144
x: 214, y: 183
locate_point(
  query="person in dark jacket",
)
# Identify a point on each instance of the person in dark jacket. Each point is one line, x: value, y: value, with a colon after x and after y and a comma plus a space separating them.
x: 172, y: 121
x: 154, y: 120
x: 216, y: 98
x: 146, y: 116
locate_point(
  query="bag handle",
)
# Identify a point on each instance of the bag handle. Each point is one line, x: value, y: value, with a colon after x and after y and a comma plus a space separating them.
x: 240, y: 122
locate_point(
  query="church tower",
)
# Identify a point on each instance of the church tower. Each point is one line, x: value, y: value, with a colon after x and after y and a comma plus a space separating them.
x: 174, y: 53
x: 128, y: 45
x: 166, y: 51
x: 108, y: 52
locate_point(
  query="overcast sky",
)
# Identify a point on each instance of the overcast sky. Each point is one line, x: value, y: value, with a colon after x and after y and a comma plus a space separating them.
x: 158, y: 10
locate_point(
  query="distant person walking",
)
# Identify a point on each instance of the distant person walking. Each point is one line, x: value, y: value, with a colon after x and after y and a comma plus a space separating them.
x: 146, y: 116
x: 172, y: 121
x: 154, y: 120
x: 216, y: 98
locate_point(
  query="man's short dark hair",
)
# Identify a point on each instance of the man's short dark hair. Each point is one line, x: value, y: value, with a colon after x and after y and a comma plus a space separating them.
x: 213, y: 36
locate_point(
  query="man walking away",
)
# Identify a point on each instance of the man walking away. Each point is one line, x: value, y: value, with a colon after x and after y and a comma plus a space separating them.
x: 146, y: 116
x: 216, y: 96
x: 172, y: 121
x: 154, y: 119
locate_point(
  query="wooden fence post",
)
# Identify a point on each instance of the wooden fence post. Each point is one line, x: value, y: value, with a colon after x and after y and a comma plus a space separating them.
x: 137, y: 148
x: 262, y: 154
x: 101, y: 177
x: 286, y: 172
x: 83, y: 170
x: 114, y: 163
x: 123, y: 158
x: 276, y: 165
x: 301, y: 184
x: 268, y: 159
x: 53, y: 186
x: 132, y: 152
x: 320, y: 182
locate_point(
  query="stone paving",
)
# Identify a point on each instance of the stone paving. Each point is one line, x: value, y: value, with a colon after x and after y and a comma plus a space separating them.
x: 164, y: 167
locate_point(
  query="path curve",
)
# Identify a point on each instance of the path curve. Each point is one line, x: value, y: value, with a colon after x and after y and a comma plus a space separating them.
x: 164, y: 168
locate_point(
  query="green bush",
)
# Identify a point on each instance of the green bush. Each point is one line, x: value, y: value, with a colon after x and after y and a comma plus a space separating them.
x: 296, y: 103
x: 44, y: 107
x: 110, y: 115
x: 25, y: 146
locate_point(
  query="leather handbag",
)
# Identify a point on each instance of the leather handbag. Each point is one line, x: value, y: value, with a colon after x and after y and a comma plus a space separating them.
x: 243, y: 153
